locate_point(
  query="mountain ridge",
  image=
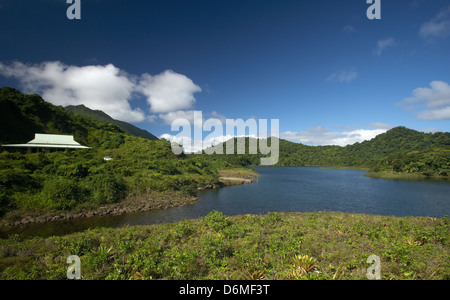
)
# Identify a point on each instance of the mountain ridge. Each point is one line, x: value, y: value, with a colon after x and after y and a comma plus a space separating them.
x: 101, y: 116
x: 22, y: 116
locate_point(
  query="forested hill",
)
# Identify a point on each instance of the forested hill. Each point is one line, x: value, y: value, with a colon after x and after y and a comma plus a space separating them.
x: 21, y: 116
x: 400, y: 150
x: 397, y: 142
x: 100, y: 116
x: 402, y: 139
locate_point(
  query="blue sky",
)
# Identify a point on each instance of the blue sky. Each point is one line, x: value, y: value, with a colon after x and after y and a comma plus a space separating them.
x: 327, y: 72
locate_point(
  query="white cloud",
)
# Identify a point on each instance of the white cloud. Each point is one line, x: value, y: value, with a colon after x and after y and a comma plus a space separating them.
x: 349, y: 28
x: 213, y: 131
x: 343, y: 76
x: 191, y: 145
x: 168, y: 91
x: 432, y: 115
x: 435, y: 99
x: 189, y: 115
x: 218, y: 116
x: 98, y: 87
x: 431, y: 130
x: 105, y: 88
x: 151, y: 118
x: 184, y: 141
x: 438, y: 27
x: 383, y: 45
x: 320, y: 136
x: 379, y: 125
x: 317, y: 136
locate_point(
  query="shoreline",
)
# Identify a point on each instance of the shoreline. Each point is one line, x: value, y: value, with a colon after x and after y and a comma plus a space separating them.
x: 168, y: 199
x: 132, y: 204
x: 389, y: 175
x: 404, y: 176
x: 230, y: 181
x: 238, y: 176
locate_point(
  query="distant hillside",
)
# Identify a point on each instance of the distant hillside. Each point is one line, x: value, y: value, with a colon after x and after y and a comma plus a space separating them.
x: 100, y: 116
x: 400, y: 150
x: 402, y: 139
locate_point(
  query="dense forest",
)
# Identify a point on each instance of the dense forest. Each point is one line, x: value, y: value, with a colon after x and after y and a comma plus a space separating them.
x: 140, y: 166
x: 400, y: 150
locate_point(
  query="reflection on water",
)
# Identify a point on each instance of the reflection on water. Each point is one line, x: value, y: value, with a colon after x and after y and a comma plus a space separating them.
x: 287, y: 189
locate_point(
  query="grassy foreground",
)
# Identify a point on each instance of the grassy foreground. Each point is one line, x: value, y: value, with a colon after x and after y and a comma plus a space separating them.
x: 274, y: 246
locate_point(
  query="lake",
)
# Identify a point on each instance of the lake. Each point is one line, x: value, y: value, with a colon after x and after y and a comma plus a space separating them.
x: 288, y: 189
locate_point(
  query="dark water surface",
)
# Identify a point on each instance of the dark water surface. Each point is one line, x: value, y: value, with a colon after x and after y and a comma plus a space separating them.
x: 288, y: 189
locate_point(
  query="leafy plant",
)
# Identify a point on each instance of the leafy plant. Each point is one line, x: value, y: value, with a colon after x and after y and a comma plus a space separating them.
x: 106, y: 188
x: 255, y: 275
x: 250, y: 247
x: 303, y: 264
x: 60, y: 193
x: 217, y: 221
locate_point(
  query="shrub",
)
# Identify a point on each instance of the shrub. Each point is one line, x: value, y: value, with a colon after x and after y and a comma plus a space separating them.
x: 188, y: 190
x: 76, y: 170
x: 114, y: 142
x: 184, y: 228
x: 216, y: 221
x: 15, y: 179
x: 106, y: 188
x: 4, y: 203
x: 62, y: 193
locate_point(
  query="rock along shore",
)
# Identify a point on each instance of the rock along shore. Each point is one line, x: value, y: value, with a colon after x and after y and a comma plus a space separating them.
x: 132, y: 204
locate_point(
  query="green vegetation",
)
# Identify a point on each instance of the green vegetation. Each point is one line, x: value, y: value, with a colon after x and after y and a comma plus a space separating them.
x: 275, y: 246
x: 67, y: 180
x: 398, y: 151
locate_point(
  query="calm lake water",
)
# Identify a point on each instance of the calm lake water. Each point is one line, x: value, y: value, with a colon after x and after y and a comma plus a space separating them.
x: 288, y: 189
